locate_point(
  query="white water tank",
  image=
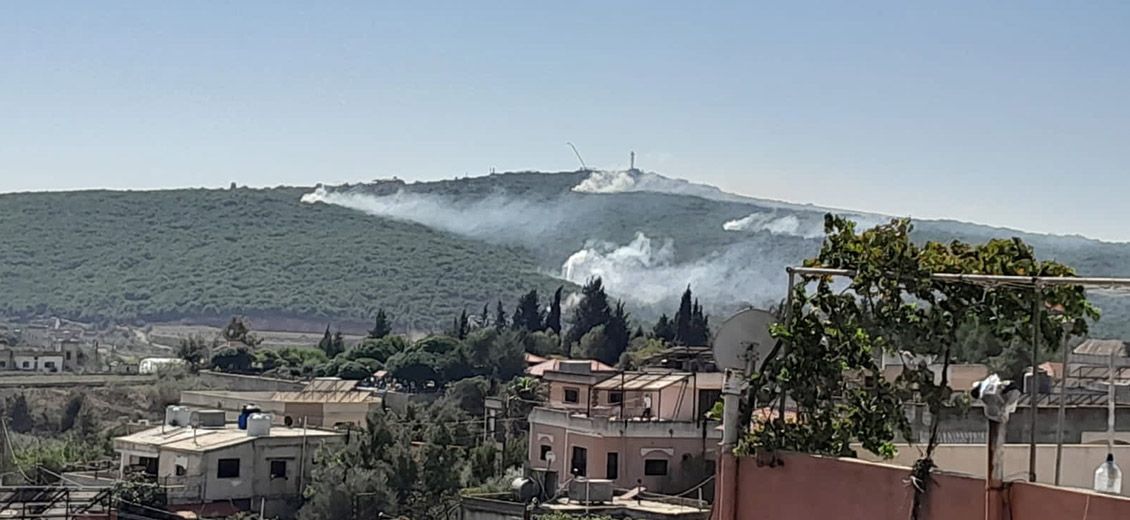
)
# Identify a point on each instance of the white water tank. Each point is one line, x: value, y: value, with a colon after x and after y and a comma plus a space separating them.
x: 176, y: 415
x: 259, y: 425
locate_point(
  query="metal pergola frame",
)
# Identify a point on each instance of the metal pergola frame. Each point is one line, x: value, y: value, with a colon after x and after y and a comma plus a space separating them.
x: 1013, y: 282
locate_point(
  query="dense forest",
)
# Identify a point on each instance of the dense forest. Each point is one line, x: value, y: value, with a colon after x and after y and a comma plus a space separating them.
x: 208, y: 254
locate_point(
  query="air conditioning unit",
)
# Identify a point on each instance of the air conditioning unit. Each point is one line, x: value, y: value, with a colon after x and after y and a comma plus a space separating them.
x: 590, y: 491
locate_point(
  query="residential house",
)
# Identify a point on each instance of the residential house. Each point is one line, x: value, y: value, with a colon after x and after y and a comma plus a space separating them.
x: 259, y: 466
x: 635, y: 429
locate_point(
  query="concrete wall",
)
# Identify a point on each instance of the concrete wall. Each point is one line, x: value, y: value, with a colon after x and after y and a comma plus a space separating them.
x: 1078, y: 420
x: 807, y: 486
x: 1077, y: 470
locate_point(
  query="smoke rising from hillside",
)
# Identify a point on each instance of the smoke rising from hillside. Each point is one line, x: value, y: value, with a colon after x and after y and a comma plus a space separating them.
x: 644, y: 272
x: 777, y: 225
x: 495, y: 218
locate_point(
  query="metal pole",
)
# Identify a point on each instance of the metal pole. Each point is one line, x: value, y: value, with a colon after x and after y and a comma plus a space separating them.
x: 995, y: 472
x: 1034, y: 390
x: 1062, y: 407
x: 1110, y: 406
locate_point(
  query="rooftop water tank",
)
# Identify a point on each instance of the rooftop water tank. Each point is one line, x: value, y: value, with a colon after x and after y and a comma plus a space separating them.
x: 176, y: 415
x: 259, y: 425
x: 590, y: 491
x: 209, y: 418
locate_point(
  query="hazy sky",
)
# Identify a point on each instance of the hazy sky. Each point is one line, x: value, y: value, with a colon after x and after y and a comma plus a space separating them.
x: 1014, y: 115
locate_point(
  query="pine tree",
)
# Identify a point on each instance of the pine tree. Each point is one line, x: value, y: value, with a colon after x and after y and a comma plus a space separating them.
x: 591, y: 311
x: 664, y: 329
x: 553, y: 319
x: 500, y: 316
x: 484, y: 318
x: 527, y: 315
x: 381, y: 327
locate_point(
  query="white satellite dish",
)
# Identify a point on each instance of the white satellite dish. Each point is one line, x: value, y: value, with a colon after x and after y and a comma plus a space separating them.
x: 743, y: 341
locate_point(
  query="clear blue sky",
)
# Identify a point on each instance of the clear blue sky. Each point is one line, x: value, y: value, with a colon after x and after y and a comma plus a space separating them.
x: 1013, y: 115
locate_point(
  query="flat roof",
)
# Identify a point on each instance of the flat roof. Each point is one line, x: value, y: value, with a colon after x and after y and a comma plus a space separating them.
x: 184, y: 438
x: 330, y: 385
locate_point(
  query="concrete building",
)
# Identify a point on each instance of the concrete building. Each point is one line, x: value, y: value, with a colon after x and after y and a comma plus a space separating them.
x: 30, y: 359
x: 632, y: 428
x: 261, y: 466
x: 322, y: 402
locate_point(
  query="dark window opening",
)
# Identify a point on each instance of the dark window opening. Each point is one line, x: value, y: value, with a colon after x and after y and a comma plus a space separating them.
x: 68, y: 355
x: 613, y: 466
x: 572, y: 395
x: 278, y: 469
x: 545, y: 450
x: 655, y: 467
x: 181, y: 470
x: 149, y: 464
x: 615, y: 397
x: 227, y: 468
x: 579, y: 466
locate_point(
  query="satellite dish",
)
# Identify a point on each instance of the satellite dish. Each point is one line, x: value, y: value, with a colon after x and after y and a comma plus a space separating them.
x: 743, y: 341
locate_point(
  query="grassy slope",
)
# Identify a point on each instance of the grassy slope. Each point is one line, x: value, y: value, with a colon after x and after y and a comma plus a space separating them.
x: 210, y: 253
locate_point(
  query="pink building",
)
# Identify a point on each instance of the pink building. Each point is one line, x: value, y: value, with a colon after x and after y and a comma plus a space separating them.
x: 631, y: 428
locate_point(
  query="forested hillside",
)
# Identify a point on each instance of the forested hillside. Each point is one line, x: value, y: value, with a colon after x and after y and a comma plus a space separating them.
x: 208, y: 254
x: 427, y: 251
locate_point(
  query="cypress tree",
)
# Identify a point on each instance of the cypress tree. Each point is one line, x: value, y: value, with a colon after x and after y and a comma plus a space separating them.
x: 381, y: 327
x: 553, y: 319
x: 664, y: 329
x: 684, y: 318
x: 500, y: 316
x: 527, y: 315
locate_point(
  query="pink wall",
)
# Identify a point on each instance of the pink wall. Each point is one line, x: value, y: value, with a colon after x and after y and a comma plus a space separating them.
x: 633, y: 451
x: 808, y: 486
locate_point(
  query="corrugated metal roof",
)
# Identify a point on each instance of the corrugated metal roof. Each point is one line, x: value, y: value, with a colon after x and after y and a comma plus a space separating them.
x: 637, y: 381
x: 353, y: 396
x: 330, y: 385
x: 1101, y: 347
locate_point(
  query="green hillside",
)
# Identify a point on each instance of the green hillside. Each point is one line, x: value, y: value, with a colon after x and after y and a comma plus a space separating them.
x: 206, y: 254
x: 203, y: 255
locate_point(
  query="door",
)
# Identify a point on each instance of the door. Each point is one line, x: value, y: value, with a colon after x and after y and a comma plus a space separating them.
x: 579, y: 462
x: 613, y: 466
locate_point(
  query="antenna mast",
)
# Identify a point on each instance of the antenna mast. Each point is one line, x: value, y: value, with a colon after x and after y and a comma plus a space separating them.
x: 578, y: 154
x: 633, y: 162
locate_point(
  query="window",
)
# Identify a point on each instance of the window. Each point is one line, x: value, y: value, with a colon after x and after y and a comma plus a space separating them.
x: 615, y: 397
x: 580, y: 461
x: 3, y: 364
x: 655, y: 467
x: 26, y: 364
x: 227, y: 468
x: 49, y: 365
x: 68, y: 355
x: 545, y: 451
x: 572, y: 395
x: 613, y: 466
x: 278, y: 469
x: 181, y: 470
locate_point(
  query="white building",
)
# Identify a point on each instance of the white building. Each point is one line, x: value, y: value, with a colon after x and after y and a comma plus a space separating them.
x: 262, y: 466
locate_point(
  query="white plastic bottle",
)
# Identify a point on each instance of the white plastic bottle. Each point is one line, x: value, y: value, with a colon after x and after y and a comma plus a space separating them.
x: 1108, y: 477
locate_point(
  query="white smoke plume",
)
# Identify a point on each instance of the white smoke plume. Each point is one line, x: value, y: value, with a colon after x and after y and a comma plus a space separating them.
x: 492, y: 218
x: 645, y: 272
x: 763, y: 221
